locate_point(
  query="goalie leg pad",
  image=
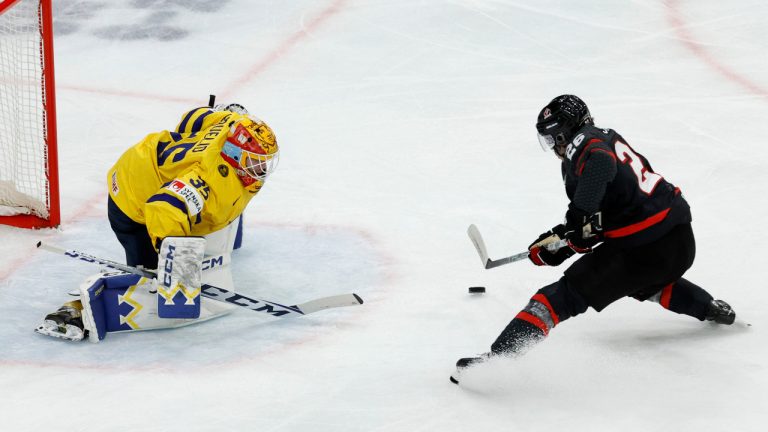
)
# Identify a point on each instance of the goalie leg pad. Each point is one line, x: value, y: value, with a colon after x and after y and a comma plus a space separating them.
x: 125, y: 302
x: 179, y: 277
x: 218, y: 249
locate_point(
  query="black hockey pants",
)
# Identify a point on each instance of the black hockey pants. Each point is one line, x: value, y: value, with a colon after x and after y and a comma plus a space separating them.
x: 610, y: 272
x: 133, y: 236
x: 606, y: 275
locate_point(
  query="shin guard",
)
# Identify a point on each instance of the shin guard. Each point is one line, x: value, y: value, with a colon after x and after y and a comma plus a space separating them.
x: 684, y: 297
x: 548, y: 307
x: 125, y: 302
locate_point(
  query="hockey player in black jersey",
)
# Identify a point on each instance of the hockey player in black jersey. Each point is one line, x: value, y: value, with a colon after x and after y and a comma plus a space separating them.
x: 631, y: 228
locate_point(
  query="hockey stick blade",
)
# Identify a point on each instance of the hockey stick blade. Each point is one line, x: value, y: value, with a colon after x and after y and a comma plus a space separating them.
x: 220, y: 294
x: 477, y: 240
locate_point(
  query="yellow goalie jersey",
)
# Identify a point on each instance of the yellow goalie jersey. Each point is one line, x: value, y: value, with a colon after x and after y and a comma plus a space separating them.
x: 177, y: 183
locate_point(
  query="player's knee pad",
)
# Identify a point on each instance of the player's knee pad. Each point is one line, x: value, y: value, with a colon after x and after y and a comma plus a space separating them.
x: 125, y: 302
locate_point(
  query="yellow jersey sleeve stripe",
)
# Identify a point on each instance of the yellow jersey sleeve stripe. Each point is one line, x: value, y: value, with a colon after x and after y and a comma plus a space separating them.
x: 170, y: 199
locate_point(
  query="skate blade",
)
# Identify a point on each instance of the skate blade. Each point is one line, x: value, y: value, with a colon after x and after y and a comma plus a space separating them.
x: 69, y: 335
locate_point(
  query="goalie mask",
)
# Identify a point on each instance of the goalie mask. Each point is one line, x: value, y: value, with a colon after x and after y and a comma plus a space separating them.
x: 251, y: 148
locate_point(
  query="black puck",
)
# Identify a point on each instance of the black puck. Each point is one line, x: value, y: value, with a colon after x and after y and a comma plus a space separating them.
x: 476, y: 290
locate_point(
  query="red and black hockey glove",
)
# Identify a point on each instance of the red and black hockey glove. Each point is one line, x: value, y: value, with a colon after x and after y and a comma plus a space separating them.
x: 541, y: 256
x: 583, y: 231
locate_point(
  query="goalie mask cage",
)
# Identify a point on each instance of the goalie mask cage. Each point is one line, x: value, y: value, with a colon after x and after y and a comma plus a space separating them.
x: 29, y: 183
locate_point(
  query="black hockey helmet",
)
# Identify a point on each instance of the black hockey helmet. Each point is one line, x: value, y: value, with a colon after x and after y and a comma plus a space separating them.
x: 559, y: 120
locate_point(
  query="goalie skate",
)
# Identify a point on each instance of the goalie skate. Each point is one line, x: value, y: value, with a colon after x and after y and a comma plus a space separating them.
x: 65, y: 323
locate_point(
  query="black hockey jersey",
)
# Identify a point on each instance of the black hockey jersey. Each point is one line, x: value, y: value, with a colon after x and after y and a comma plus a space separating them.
x: 603, y: 173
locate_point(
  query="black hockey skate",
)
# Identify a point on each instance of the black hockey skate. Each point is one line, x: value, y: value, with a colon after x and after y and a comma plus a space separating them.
x: 65, y: 323
x: 466, y: 362
x: 720, y: 312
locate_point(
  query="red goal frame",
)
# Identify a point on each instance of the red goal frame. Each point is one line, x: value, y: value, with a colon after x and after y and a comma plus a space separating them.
x: 45, y: 14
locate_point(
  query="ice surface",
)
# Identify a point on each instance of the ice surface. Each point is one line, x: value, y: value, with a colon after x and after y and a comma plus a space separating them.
x: 400, y: 123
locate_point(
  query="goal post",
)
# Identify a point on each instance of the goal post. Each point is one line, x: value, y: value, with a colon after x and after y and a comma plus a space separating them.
x: 29, y: 177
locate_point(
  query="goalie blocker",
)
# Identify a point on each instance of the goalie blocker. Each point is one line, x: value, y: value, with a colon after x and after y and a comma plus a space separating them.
x: 179, y: 277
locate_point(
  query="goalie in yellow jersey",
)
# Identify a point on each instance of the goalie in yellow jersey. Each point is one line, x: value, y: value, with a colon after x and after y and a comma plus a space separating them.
x: 174, y: 198
x: 192, y: 181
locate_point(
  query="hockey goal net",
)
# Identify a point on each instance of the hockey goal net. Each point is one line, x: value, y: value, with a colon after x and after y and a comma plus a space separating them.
x: 29, y: 189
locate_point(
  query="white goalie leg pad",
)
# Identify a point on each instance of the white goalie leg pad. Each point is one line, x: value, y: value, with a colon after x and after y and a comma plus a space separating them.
x: 124, y: 302
x: 218, y: 251
x: 221, y: 241
x: 217, y: 271
x: 179, y: 277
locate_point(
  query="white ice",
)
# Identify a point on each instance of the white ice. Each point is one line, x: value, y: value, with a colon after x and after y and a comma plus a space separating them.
x: 400, y: 123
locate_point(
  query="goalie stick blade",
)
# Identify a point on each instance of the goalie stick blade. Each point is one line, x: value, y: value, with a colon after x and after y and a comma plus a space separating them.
x: 330, y: 302
x: 477, y: 241
x: 280, y: 310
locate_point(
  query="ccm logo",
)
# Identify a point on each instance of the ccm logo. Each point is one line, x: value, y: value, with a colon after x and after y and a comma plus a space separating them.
x: 168, y: 266
x: 213, y: 262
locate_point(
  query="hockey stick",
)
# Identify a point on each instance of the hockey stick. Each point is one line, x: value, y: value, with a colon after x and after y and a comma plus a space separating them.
x: 477, y: 240
x: 220, y: 294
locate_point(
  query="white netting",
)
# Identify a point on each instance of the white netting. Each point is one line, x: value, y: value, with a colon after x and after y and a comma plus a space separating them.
x: 23, y: 152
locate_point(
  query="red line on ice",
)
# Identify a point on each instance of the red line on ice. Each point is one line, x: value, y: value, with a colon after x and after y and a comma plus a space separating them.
x: 260, y: 66
x: 284, y: 47
x: 687, y: 38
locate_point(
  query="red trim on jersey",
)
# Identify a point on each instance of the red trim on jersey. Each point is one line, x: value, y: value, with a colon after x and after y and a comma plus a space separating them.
x: 609, y: 153
x: 637, y: 227
x: 541, y: 298
x: 666, y: 296
x: 532, y: 319
x: 584, y: 152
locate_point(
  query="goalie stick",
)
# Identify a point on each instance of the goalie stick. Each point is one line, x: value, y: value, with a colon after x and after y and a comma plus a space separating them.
x: 477, y: 240
x: 220, y: 294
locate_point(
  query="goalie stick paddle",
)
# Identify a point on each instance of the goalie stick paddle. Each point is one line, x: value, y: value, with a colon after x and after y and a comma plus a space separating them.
x: 477, y: 241
x: 220, y: 294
